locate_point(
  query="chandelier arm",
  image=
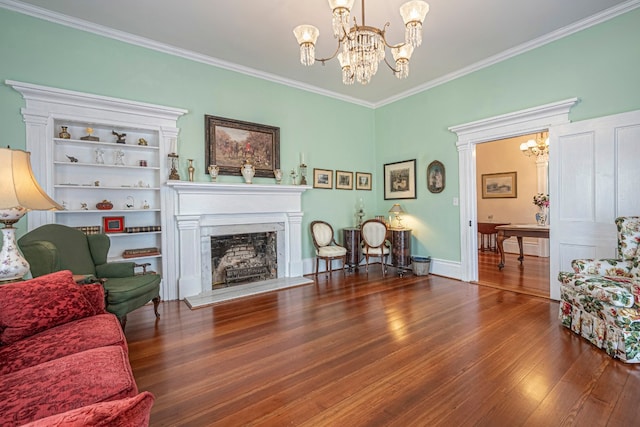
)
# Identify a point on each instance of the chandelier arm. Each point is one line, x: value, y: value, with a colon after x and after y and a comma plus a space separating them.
x: 329, y: 58
x: 390, y: 66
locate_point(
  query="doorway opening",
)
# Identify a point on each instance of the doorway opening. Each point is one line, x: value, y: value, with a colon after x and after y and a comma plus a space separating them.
x: 524, y: 176
x: 531, y: 120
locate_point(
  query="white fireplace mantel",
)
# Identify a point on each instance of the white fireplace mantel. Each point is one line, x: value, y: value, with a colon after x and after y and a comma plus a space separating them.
x: 200, y: 207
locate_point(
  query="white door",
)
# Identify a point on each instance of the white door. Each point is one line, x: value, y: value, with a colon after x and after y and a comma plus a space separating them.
x: 593, y: 178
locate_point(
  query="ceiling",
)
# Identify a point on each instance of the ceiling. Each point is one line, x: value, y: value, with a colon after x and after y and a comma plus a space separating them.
x: 255, y: 36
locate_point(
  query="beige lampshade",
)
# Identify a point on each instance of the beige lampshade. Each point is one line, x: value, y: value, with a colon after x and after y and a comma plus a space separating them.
x: 396, y: 209
x: 18, y: 186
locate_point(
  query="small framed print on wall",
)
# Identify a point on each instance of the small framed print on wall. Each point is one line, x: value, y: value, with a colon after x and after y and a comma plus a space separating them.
x: 500, y: 185
x: 400, y: 180
x: 322, y: 178
x: 344, y: 180
x: 113, y: 224
x: 363, y: 181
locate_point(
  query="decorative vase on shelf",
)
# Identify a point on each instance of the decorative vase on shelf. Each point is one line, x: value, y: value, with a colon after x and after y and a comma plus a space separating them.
x: 191, y: 170
x: 64, y: 134
x: 278, y: 174
x: 248, y: 171
x: 541, y: 217
x: 213, y: 171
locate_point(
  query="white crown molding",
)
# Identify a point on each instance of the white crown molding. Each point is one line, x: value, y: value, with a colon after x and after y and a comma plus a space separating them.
x: 515, y: 51
x: 82, y: 25
x: 125, y: 37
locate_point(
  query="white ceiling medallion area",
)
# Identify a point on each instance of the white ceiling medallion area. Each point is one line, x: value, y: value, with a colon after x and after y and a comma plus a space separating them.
x: 186, y: 30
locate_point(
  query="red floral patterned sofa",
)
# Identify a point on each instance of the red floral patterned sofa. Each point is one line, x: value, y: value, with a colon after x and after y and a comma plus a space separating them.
x: 63, y: 358
x: 600, y: 299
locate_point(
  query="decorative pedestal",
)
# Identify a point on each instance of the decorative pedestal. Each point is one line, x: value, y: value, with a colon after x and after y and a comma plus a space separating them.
x: 401, y: 249
x: 351, y: 241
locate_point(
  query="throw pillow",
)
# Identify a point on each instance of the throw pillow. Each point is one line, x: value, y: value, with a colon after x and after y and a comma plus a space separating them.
x: 29, y: 307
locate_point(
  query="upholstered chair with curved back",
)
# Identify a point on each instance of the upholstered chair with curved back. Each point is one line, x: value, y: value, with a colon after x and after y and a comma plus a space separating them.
x: 326, y: 246
x: 374, y: 242
x: 55, y: 247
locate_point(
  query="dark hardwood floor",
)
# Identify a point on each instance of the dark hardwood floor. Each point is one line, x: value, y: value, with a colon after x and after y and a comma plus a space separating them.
x: 531, y: 278
x: 367, y: 350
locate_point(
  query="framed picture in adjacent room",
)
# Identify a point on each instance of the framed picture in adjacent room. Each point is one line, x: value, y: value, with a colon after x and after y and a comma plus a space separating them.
x: 344, y: 180
x: 363, y: 181
x: 500, y: 185
x: 400, y: 180
x: 435, y: 177
x: 322, y: 178
x: 228, y: 143
x: 113, y: 224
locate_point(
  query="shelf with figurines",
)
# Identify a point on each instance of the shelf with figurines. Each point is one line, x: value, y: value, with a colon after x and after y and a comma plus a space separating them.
x: 99, y: 134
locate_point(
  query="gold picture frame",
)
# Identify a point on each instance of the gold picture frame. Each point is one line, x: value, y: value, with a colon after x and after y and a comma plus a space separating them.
x: 229, y: 142
x: 503, y: 185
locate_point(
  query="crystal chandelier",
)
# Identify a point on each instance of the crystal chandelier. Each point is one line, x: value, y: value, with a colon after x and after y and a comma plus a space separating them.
x: 538, y: 147
x: 361, y: 47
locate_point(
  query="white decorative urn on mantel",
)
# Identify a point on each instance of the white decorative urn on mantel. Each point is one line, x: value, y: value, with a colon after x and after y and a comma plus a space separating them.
x: 248, y: 171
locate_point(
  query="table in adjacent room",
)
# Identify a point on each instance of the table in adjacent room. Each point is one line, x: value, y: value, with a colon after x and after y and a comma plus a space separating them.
x: 519, y: 231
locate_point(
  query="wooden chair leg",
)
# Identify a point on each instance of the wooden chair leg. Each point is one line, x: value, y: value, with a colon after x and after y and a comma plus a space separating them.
x: 156, y: 303
x: 317, y: 261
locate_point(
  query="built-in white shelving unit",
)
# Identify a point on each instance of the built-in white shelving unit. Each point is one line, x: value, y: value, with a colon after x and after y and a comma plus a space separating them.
x: 80, y: 172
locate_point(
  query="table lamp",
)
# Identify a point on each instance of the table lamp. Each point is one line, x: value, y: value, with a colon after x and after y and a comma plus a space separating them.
x: 396, y: 209
x: 19, y: 193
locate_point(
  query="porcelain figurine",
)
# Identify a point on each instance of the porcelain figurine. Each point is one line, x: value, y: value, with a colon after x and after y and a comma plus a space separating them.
x: 213, y: 172
x: 278, y: 175
x: 248, y: 171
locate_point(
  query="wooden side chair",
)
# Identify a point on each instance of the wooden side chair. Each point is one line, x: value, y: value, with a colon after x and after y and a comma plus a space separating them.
x: 326, y: 246
x: 374, y: 242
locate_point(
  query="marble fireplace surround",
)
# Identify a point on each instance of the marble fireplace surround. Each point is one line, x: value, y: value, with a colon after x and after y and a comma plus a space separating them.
x: 203, y: 209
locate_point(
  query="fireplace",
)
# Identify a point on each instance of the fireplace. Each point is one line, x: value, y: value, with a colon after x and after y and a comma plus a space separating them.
x: 209, y: 210
x: 243, y: 258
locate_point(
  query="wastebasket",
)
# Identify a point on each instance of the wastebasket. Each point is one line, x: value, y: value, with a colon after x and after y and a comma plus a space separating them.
x: 420, y: 265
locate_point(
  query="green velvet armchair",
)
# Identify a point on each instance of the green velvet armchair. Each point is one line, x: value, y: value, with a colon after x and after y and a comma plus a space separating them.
x: 55, y: 247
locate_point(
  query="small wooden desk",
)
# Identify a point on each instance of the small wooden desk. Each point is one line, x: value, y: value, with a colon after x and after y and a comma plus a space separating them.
x: 520, y: 231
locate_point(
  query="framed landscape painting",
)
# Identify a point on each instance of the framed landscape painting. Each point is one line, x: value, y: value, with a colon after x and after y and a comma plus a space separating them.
x: 400, y: 180
x: 500, y: 185
x: 344, y: 180
x: 228, y: 143
x: 322, y: 178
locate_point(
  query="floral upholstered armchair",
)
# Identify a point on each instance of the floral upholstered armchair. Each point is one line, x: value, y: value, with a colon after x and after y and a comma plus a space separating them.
x: 600, y: 299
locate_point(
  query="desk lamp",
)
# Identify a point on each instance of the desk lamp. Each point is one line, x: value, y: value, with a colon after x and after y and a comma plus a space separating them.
x: 19, y: 193
x: 396, y: 209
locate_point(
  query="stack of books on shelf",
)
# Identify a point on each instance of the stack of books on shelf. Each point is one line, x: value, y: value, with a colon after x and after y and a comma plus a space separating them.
x: 144, y: 229
x: 89, y: 229
x: 140, y: 252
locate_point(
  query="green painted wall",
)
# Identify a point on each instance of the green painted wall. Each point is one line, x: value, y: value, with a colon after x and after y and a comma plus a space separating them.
x: 332, y: 134
x: 599, y: 65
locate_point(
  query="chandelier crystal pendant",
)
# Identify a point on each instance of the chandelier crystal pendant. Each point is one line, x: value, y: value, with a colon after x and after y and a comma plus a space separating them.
x: 360, y: 47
